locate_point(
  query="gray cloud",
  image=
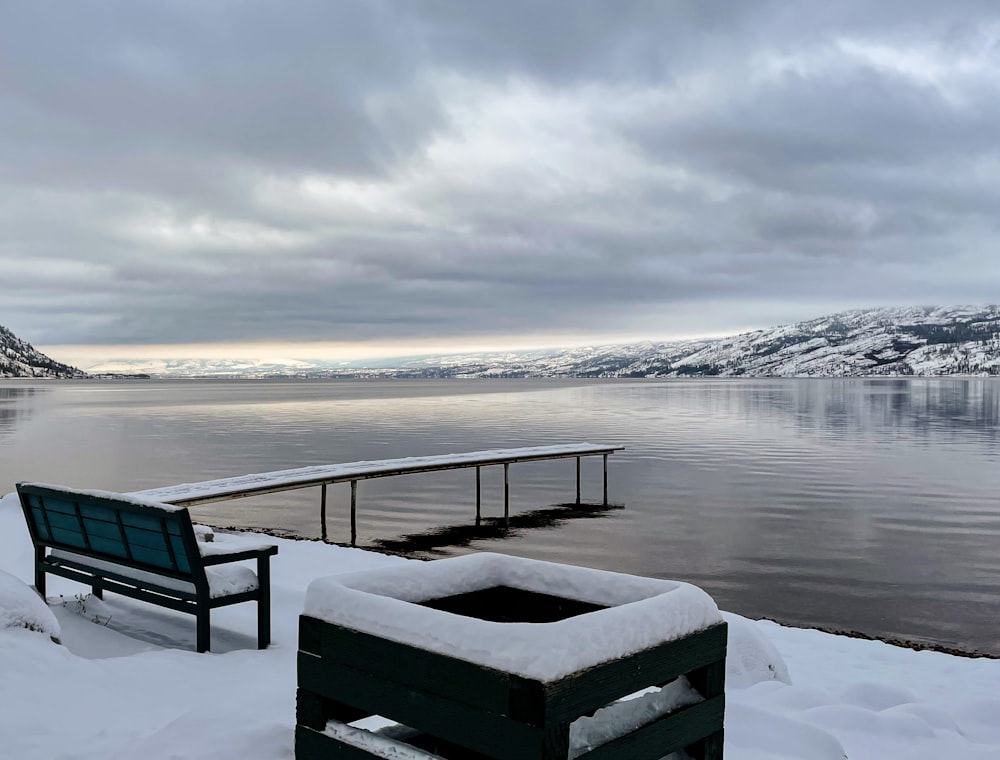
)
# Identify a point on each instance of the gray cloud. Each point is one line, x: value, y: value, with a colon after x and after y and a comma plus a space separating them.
x: 233, y: 171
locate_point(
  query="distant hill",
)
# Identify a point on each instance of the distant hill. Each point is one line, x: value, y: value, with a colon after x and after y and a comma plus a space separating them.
x: 910, y: 341
x: 920, y: 341
x: 20, y: 359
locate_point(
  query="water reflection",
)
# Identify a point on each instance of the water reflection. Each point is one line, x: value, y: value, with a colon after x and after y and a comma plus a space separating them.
x: 846, y: 407
x: 13, y: 407
x: 432, y: 542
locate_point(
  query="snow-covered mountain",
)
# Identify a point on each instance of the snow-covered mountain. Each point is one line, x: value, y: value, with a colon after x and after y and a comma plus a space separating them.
x: 925, y: 341
x: 20, y: 359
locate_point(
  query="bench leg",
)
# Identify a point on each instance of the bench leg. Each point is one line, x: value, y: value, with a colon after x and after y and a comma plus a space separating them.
x: 264, y: 602
x: 204, y: 628
x: 40, y: 571
x: 97, y: 592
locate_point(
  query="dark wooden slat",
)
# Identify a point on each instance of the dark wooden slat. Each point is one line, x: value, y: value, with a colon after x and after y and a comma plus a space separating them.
x: 150, y: 522
x: 314, y: 745
x: 148, y: 539
x: 465, y: 725
x: 410, y: 667
x: 69, y: 539
x: 121, y: 531
x: 155, y: 559
x: 97, y: 512
x: 102, y: 529
x: 59, y: 506
x: 582, y: 693
x: 181, y: 554
x: 108, y: 546
x: 314, y: 710
x: 710, y: 680
x: 311, y: 635
x: 79, y: 520
x: 45, y: 515
x: 64, y: 522
x: 668, y: 734
x: 169, y: 544
x: 37, y: 523
x: 440, y: 747
x: 309, y: 709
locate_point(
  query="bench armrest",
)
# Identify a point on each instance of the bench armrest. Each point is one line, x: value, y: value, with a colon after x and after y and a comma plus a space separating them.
x: 236, y: 553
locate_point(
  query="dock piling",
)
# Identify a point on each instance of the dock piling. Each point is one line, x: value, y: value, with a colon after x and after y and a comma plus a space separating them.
x: 322, y: 511
x: 605, y: 480
x: 506, y: 495
x: 354, y: 512
x: 479, y: 495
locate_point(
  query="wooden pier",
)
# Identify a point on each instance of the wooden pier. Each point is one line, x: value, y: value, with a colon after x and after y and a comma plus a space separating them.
x: 322, y: 476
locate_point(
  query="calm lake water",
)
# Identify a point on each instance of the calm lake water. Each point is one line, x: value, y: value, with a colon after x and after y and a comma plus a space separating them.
x: 868, y: 505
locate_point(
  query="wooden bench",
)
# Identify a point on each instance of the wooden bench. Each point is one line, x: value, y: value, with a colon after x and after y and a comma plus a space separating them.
x: 145, y: 550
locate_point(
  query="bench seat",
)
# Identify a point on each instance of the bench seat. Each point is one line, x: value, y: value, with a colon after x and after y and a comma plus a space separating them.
x: 144, y: 550
x: 222, y: 581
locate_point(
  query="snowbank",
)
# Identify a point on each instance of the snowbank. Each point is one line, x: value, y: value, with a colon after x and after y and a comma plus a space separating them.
x: 21, y: 607
x: 127, y: 684
x: 750, y: 657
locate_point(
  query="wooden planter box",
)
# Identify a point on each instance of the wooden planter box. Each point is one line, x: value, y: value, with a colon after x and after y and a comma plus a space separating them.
x: 454, y: 708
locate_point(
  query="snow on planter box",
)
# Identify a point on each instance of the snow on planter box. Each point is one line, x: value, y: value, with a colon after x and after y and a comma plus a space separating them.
x: 492, y: 656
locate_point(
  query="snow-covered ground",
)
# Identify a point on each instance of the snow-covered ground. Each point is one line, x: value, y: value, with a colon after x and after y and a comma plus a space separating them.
x: 126, y: 683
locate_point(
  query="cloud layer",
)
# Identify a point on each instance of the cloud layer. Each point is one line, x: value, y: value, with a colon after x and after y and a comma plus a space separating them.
x: 178, y: 172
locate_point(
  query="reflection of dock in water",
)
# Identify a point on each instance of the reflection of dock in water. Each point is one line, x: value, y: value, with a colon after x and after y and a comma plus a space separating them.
x: 435, y: 540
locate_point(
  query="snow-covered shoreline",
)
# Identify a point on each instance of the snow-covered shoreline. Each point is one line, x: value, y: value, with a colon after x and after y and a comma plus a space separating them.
x: 125, y: 683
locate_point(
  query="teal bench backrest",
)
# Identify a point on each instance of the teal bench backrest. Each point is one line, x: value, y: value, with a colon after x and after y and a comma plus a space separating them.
x: 158, y: 537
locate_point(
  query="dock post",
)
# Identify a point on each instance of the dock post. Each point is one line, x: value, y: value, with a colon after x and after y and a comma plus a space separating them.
x: 506, y: 495
x: 322, y: 511
x: 605, y: 480
x: 578, y: 481
x: 479, y: 496
x: 354, y: 512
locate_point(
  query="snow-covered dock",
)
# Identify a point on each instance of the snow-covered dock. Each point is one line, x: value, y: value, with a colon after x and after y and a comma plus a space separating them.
x: 190, y: 494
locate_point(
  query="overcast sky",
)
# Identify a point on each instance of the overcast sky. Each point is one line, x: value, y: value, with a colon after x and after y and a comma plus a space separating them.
x: 382, y: 176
